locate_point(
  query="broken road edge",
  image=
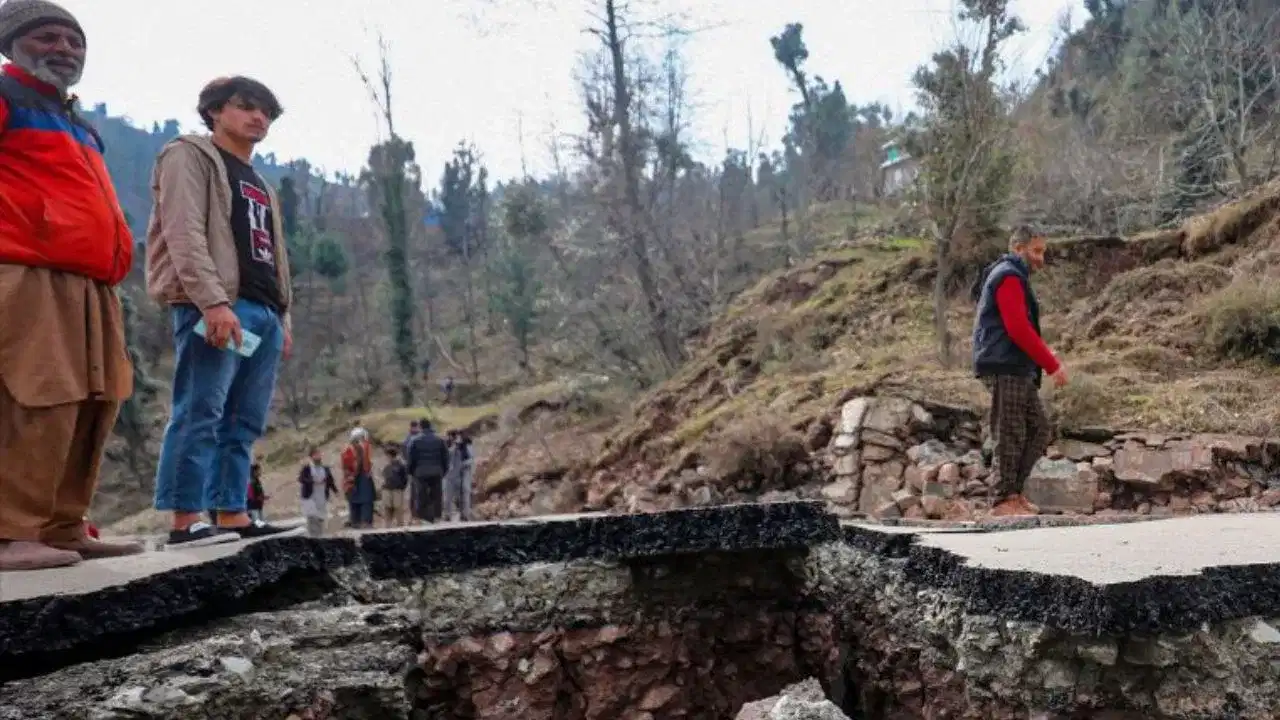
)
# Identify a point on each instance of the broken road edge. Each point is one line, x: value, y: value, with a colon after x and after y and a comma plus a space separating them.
x: 44, y: 633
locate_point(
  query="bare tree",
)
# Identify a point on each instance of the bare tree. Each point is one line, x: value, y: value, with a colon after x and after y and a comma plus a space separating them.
x: 966, y: 164
x: 1227, y: 80
x: 626, y: 211
x: 389, y: 180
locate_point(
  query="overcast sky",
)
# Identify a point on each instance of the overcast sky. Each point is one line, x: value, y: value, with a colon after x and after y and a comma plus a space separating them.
x: 481, y: 69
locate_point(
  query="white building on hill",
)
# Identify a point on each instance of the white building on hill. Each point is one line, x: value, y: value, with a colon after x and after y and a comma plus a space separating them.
x: 898, y: 171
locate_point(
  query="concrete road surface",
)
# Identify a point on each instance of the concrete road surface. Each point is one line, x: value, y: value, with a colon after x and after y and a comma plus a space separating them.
x: 1107, y: 554
x: 1100, y: 554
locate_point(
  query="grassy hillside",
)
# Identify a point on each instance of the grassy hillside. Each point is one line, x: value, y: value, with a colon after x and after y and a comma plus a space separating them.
x: 1170, y: 331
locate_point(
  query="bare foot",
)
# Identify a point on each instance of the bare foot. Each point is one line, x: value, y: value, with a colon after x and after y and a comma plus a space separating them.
x: 22, y: 555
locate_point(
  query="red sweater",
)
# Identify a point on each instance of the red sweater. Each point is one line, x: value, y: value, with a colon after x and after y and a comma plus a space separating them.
x: 58, y: 208
x: 1017, y: 322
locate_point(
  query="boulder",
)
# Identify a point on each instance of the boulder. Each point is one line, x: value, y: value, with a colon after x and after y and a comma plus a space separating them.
x: 802, y: 701
x: 1138, y: 463
x: 877, y: 453
x: 1062, y: 486
x: 889, y: 415
x: 879, y: 483
x: 882, y: 439
x: 848, y: 465
x: 1079, y: 450
x: 841, y: 492
x: 852, y: 415
x: 906, y: 499
x: 930, y: 452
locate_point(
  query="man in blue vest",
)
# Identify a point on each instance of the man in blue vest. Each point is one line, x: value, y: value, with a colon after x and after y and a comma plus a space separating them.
x: 1010, y: 357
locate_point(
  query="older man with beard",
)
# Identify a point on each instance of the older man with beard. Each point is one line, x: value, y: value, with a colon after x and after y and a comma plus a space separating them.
x: 64, y: 245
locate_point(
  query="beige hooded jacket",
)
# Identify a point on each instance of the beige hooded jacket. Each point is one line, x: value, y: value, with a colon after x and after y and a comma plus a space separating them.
x: 191, y: 249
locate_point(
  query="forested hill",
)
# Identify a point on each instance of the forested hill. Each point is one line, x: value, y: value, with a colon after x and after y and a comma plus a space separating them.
x: 131, y: 152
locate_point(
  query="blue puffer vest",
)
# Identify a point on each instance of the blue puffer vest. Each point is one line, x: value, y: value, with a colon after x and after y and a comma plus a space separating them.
x: 994, y: 352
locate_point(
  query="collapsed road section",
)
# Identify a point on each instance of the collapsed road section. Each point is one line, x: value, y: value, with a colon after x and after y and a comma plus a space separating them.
x: 688, y: 614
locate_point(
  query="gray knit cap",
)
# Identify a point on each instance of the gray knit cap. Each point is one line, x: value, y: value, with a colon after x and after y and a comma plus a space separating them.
x: 18, y: 17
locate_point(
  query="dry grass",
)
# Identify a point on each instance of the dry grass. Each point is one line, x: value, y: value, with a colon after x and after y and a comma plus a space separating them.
x: 1242, y: 321
x: 1234, y: 223
x: 1131, y: 321
x: 756, y: 453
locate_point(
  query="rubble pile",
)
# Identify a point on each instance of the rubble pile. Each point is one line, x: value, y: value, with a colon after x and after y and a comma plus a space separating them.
x: 891, y: 457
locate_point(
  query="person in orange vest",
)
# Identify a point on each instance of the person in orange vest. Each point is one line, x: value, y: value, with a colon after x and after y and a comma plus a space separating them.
x: 64, y: 247
x: 357, y: 479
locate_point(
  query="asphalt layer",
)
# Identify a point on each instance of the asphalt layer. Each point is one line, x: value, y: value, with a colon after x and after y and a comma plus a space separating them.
x: 1155, y: 577
x: 1169, y: 576
x: 52, y: 618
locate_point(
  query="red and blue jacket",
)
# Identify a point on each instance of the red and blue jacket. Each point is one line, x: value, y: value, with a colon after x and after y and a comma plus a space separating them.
x: 58, y: 208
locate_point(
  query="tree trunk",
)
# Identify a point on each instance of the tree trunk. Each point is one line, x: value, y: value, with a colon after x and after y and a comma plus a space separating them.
x: 632, y: 225
x: 783, y: 226
x: 469, y: 301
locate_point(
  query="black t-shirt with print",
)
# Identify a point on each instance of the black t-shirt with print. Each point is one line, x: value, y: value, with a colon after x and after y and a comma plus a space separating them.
x: 253, y: 227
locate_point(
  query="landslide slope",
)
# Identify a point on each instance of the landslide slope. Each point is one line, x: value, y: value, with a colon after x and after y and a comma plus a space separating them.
x: 1172, y: 330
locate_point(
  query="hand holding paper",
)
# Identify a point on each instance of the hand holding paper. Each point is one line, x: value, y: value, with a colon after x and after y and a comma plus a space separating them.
x: 249, y: 341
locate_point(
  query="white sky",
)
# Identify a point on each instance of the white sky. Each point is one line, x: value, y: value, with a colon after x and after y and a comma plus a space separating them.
x: 473, y: 68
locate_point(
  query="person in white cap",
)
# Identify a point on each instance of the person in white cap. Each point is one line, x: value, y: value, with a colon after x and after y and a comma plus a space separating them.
x: 357, y: 479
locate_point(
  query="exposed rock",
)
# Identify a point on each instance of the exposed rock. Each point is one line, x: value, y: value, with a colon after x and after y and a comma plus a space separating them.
x: 802, y: 701
x: 949, y: 474
x: 852, y: 415
x: 847, y: 464
x: 881, y: 440
x: 329, y: 663
x: 1063, y: 486
x: 674, y: 637
x: 1151, y: 465
x: 843, y: 492
x: 930, y: 452
x: 1080, y: 450
x: 889, y: 415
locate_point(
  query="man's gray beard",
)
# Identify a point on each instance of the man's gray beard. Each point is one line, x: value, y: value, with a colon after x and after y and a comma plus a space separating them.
x: 40, y: 70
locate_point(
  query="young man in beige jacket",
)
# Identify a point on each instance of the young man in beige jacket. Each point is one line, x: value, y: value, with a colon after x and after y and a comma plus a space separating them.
x: 216, y: 255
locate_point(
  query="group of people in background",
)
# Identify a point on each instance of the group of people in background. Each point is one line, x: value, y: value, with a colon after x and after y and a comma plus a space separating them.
x: 438, y: 472
x: 425, y: 479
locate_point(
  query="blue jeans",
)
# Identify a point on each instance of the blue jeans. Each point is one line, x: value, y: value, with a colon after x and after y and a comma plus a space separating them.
x: 220, y: 405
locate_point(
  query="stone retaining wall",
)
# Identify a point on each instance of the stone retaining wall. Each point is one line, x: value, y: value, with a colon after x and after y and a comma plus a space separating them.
x: 893, y: 457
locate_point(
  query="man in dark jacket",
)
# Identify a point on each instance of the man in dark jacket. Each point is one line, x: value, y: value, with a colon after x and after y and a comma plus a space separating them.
x: 427, y: 462
x: 1009, y: 356
x: 415, y: 428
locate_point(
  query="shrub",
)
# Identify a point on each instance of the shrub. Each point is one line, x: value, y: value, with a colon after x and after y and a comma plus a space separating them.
x: 1242, y: 321
x: 1082, y: 403
x: 756, y: 453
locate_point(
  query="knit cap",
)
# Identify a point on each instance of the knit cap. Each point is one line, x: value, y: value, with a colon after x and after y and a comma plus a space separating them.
x: 18, y: 17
